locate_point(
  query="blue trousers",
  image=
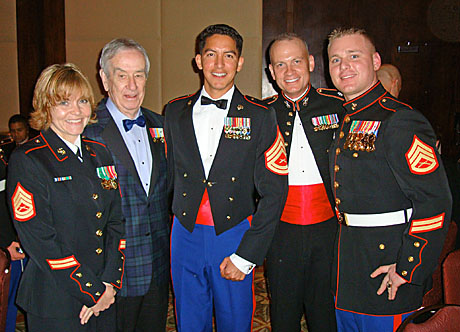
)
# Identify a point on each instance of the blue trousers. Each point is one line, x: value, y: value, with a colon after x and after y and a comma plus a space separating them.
x: 198, y: 285
x: 354, y: 322
x: 16, y: 272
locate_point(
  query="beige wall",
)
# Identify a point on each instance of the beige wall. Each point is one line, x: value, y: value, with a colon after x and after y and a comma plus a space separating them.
x: 9, y: 93
x: 167, y: 29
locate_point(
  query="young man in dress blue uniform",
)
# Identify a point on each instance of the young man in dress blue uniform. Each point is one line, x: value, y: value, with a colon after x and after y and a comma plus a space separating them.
x: 227, y: 170
x: 391, y: 194
x: 300, y: 258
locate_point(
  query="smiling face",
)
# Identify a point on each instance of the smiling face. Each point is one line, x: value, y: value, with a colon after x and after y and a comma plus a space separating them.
x: 219, y: 62
x: 353, y: 63
x: 291, y: 66
x: 70, y: 116
x: 126, y: 82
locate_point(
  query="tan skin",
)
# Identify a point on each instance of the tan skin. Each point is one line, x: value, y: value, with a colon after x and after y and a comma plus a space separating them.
x: 19, y: 132
x: 353, y: 63
x: 220, y: 61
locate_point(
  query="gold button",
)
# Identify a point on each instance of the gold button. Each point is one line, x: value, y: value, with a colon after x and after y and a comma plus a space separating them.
x: 97, y: 294
x: 355, y: 155
x: 342, y: 134
x: 404, y: 273
x: 122, y: 258
x: 88, y: 284
x: 291, y: 114
x: 79, y: 275
x: 118, y: 281
x: 204, y: 180
x: 346, y: 119
x: 337, y: 201
x: 98, y: 251
x: 337, y: 151
x: 99, y: 232
x: 384, y: 100
x: 336, y: 184
x: 209, y: 184
x: 231, y: 199
x: 286, y: 133
x: 185, y: 175
x: 184, y: 213
x: 286, y: 143
x: 289, y: 123
x: 120, y: 269
x: 228, y: 217
x: 233, y: 179
x: 184, y: 194
x: 381, y: 246
x: 336, y: 168
x: 410, y: 259
x: 95, y: 196
x: 99, y: 215
x: 416, y: 244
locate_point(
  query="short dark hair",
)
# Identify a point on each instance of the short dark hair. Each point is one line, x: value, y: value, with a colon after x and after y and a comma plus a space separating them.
x: 220, y: 29
x: 18, y: 118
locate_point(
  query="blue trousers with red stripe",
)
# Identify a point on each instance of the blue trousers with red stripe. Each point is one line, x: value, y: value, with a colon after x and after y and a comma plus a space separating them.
x: 198, y: 285
x: 354, y: 322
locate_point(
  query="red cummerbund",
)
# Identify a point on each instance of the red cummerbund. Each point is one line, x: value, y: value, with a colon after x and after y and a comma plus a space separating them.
x: 204, y: 216
x: 307, y: 205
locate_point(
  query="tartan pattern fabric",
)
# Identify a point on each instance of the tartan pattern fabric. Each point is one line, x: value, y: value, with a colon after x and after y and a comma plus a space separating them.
x: 147, y: 218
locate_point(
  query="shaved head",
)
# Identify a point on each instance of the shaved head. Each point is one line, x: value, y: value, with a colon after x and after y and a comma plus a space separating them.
x: 390, y: 77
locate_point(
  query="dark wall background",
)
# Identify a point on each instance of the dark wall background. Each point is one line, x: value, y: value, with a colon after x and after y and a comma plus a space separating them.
x: 429, y: 29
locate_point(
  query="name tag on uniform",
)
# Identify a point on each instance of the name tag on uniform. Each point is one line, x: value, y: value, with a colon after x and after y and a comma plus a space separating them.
x: 325, y: 122
x: 362, y: 136
x: 63, y: 178
x: 237, y: 128
x: 108, y: 177
x: 157, y: 135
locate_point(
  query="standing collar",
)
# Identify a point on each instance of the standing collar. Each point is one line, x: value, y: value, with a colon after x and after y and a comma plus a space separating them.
x: 366, y: 99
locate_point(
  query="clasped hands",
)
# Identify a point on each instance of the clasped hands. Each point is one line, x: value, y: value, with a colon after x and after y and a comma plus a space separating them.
x: 105, y: 301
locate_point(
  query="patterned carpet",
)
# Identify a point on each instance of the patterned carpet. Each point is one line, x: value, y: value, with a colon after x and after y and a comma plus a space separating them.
x: 262, y: 314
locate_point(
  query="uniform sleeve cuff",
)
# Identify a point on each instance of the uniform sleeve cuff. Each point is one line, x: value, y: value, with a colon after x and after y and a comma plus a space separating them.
x: 243, y: 265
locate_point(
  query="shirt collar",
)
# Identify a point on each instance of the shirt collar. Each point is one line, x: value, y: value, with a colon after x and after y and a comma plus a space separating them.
x: 117, y: 116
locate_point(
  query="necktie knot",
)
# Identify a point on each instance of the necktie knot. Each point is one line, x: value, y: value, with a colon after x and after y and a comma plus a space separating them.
x: 221, y: 103
x: 128, y: 123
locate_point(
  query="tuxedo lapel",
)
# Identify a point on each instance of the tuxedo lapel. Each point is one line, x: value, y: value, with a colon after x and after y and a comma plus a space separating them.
x: 155, y: 148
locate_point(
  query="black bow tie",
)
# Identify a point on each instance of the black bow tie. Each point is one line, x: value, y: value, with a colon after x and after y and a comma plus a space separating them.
x: 128, y: 124
x: 221, y: 103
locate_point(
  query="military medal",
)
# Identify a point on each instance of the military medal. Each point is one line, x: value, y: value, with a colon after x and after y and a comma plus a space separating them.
x: 237, y: 128
x: 63, y: 178
x: 362, y: 136
x: 325, y: 122
x: 157, y: 134
x: 108, y: 177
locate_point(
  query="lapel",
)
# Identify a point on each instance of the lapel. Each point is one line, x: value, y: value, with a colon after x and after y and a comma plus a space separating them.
x: 185, y: 121
x: 113, y: 138
x: 155, y: 148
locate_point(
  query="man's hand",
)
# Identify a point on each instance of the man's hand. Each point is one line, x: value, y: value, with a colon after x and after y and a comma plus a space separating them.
x: 391, y: 281
x: 229, y: 271
x: 105, y: 301
x: 15, y: 254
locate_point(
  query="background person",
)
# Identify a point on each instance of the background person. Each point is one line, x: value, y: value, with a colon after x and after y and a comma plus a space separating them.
x: 65, y: 203
x: 390, y: 77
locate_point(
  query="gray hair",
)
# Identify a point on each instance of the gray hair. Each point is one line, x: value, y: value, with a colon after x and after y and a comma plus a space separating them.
x: 117, y: 45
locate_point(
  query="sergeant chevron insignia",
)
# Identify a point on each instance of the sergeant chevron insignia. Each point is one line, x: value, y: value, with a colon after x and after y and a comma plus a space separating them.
x: 421, y: 157
x: 276, y: 157
x: 23, y: 204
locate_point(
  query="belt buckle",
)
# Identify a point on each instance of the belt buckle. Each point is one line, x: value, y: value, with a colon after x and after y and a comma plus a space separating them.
x: 341, y: 218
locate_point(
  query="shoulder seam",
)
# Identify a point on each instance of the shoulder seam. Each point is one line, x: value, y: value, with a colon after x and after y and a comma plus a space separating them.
x: 252, y: 102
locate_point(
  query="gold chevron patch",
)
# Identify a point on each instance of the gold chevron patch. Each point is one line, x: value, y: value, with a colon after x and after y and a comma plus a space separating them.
x: 421, y: 157
x: 23, y: 204
x: 276, y: 157
x: 122, y: 245
x: 63, y: 263
x: 427, y: 225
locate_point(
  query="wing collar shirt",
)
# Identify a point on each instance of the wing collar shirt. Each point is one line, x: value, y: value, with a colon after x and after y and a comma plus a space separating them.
x: 303, y: 169
x: 208, y: 123
x: 137, y: 142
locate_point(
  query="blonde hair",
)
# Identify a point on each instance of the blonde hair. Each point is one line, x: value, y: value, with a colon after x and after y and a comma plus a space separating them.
x: 342, y: 32
x: 55, y: 84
